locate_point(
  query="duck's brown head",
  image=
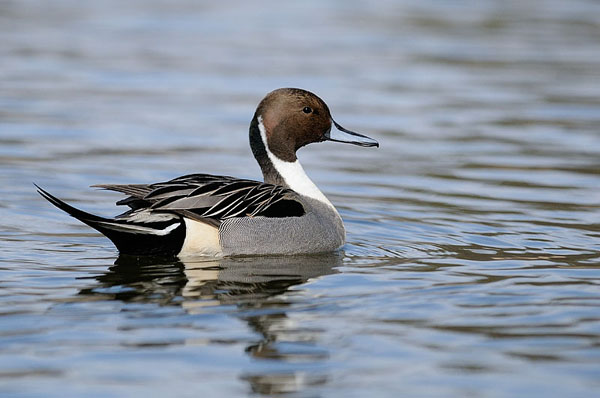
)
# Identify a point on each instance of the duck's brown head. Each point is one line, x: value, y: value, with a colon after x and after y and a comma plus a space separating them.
x: 290, y: 118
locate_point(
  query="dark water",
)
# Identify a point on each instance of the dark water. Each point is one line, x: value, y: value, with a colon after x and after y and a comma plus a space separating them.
x: 472, y: 267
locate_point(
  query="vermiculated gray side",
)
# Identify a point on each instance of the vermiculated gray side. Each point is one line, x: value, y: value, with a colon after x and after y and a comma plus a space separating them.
x: 319, y: 230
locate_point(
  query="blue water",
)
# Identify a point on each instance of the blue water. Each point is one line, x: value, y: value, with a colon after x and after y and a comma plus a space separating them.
x: 472, y: 267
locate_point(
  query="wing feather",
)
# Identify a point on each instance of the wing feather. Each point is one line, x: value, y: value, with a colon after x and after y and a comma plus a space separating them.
x: 135, y: 190
x: 210, y: 198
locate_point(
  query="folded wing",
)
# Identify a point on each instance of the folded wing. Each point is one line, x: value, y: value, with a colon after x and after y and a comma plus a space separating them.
x: 210, y: 198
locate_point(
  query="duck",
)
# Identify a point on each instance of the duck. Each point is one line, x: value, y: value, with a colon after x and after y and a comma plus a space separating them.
x: 217, y: 216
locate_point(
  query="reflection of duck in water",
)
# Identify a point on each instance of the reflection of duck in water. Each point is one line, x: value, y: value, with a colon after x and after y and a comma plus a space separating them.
x: 244, y: 281
x: 228, y: 280
x: 249, y: 283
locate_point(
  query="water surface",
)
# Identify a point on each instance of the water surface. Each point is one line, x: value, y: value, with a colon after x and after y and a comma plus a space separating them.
x: 472, y: 262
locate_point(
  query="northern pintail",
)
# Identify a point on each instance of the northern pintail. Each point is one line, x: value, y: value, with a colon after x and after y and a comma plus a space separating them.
x: 202, y: 214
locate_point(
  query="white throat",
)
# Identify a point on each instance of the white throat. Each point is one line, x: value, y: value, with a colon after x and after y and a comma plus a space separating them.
x: 293, y: 173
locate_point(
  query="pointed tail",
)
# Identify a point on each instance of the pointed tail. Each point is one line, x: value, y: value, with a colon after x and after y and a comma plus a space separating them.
x: 151, y: 238
x: 81, y: 215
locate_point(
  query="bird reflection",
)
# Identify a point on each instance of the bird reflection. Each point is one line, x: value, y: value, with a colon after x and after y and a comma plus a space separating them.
x: 250, y: 283
x: 235, y: 280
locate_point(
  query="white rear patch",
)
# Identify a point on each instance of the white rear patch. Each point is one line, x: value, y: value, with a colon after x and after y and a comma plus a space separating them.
x: 201, y: 239
x: 293, y: 173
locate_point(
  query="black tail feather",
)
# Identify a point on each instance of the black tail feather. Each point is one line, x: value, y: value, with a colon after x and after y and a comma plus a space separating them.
x: 127, y: 242
x: 81, y: 215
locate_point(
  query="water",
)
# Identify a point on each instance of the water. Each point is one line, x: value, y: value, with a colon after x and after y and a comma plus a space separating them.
x: 472, y: 262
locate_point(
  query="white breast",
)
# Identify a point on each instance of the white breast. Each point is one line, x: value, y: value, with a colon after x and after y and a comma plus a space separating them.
x: 293, y: 173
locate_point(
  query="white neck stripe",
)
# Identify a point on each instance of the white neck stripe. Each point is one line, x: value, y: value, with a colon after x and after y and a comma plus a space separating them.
x: 292, y: 172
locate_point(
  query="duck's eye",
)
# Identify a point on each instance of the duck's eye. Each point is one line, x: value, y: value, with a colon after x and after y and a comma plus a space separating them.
x: 307, y: 109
